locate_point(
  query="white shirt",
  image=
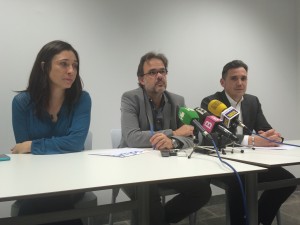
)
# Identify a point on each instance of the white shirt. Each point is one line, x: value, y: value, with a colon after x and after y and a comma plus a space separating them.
x: 237, y: 106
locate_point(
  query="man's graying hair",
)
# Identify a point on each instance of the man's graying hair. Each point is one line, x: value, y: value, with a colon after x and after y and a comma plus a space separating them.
x: 148, y: 56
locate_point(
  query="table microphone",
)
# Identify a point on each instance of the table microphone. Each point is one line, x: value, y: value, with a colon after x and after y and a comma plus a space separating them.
x: 229, y: 116
x: 190, y: 117
x: 212, y: 123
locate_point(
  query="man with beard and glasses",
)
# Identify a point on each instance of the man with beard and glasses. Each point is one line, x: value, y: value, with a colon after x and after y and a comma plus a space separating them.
x: 149, y: 119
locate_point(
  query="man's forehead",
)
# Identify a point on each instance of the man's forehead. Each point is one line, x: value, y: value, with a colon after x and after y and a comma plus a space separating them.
x: 157, y: 64
x: 153, y: 61
x: 237, y: 72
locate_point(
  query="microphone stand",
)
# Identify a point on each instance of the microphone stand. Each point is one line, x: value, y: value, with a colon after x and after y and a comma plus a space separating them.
x: 196, y: 142
x: 220, y: 146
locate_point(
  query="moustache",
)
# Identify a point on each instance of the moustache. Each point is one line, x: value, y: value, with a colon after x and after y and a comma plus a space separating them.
x: 160, y: 83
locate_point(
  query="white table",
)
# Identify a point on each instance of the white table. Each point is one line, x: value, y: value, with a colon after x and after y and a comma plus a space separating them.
x: 27, y: 176
x: 268, y: 158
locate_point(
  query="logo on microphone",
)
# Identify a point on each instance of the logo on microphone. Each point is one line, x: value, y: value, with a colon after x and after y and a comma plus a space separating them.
x: 229, y: 115
x: 201, y: 111
x: 181, y: 115
x: 207, y: 124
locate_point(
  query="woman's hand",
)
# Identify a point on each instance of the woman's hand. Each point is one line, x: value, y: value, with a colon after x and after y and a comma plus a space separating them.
x: 22, y: 148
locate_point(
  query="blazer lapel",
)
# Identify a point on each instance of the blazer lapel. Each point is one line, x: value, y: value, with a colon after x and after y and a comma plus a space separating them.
x: 224, y: 99
x: 246, y: 113
x: 166, y: 114
x: 148, y: 110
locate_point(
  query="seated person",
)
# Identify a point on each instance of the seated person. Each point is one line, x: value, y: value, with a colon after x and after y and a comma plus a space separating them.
x: 234, y: 81
x: 149, y: 118
x: 52, y: 116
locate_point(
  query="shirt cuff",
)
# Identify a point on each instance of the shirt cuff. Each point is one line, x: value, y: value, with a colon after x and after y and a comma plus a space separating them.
x: 245, y: 140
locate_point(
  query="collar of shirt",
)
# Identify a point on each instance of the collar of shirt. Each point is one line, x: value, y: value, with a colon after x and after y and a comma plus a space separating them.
x: 157, y: 113
x: 162, y: 103
x: 233, y: 103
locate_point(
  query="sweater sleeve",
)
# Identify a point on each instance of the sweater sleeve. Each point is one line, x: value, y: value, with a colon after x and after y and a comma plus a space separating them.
x: 20, y: 114
x: 73, y: 140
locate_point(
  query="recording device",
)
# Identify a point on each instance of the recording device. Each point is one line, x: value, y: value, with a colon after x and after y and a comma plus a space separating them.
x: 167, y: 153
x: 213, y: 124
x: 190, y: 117
x: 173, y: 152
x: 229, y: 116
x: 204, y: 150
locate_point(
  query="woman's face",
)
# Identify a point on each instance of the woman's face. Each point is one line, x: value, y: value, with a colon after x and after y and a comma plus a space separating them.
x: 63, y: 70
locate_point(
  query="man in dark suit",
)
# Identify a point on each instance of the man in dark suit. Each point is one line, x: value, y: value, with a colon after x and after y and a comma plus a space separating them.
x: 149, y: 118
x: 234, y: 81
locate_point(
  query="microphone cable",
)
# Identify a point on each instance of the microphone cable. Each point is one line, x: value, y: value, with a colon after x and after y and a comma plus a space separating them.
x: 239, y: 181
x: 276, y: 142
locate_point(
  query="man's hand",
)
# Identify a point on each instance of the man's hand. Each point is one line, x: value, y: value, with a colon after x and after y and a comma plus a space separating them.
x: 271, y: 135
x: 21, y: 148
x: 184, y: 130
x: 161, y: 141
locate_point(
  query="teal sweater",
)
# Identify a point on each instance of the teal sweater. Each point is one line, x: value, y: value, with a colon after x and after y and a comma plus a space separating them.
x: 66, y: 135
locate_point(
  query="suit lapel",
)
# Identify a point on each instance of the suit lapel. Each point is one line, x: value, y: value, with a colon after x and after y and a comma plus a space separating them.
x: 167, y: 113
x: 224, y: 99
x: 245, y: 111
x: 148, y: 110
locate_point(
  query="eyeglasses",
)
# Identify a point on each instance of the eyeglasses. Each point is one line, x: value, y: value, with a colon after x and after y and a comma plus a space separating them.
x: 153, y: 73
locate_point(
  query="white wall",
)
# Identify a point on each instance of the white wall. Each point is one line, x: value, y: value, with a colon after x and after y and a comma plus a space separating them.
x: 295, y: 169
x: 198, y: 37
x: 298, y: 48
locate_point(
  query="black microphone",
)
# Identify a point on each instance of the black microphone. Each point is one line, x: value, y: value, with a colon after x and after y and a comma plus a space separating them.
x: 190, y: 117
x: 213, y: 124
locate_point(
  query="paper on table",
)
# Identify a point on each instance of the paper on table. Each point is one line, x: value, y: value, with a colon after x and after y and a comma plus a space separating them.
x: 118, y: 152
x: 281, y: 147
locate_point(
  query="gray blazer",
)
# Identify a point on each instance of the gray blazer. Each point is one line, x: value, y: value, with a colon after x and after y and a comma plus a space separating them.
x: 136, y: 117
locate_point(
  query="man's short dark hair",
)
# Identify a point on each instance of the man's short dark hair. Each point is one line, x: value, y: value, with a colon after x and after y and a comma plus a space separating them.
x: 233, y: 65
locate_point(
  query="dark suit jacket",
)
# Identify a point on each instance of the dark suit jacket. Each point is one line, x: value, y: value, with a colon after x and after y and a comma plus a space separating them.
x: 253, y: 116
x: 136, y: 117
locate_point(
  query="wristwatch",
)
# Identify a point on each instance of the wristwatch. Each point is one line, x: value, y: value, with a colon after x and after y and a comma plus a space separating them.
x: 175, y: 143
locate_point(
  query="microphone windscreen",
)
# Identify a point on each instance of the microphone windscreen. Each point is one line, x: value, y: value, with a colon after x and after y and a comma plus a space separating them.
x: 202, y: 113
x: 187, y: 115
x: 216, y: 107
x: 210, y: 122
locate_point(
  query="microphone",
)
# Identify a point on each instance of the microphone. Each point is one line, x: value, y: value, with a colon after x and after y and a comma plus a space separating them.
x: 213, y: 124
x: 229, y: 116
x: 190, y: 117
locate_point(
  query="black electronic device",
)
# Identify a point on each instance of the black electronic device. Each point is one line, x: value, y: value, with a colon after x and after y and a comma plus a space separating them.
x: 173, y: 152
x: 165, y: 153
